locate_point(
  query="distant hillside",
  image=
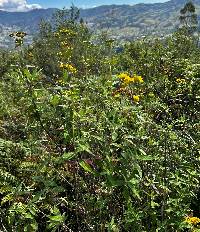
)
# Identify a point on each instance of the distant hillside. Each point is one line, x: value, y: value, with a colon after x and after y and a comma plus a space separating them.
x: 28, y: 20
x: 126, y: 21
x: 122, y: 21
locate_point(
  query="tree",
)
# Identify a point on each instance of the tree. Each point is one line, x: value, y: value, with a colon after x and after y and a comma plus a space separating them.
x: 188, y: 18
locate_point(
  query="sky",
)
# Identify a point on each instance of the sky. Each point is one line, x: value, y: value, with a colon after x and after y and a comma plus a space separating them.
x: 24, y: 5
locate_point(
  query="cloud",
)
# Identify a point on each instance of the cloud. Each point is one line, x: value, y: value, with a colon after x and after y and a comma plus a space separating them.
x: 17, y: 5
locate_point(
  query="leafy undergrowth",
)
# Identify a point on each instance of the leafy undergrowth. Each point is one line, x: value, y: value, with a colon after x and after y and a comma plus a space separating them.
x: 93, y: 139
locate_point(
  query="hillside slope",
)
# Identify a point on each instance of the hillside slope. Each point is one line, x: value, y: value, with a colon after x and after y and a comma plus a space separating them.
x: 122, y: 21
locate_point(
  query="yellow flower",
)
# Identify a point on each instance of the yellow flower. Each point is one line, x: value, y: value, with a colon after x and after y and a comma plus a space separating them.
x: 65, y: 44
x: 129, y: 80
x: 67, y: 31
x: 138, y: 79
x: 192, y: 220
x: 63, y: 31
x: 60, y: 82
x: 65, y: 92
x: 117, y: 95
x: 123, y: 76
x: 68, y: 67
x: 62, y: 65
x: 136, y: 98
x: 126, y: 78
x: 180, y: 81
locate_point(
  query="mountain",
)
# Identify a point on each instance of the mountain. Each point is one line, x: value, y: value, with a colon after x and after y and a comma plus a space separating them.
x: 28, y: 20
x: 125, y: 21
x: 121, y: 21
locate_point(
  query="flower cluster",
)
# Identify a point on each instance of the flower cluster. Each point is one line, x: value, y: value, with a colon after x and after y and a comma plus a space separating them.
x: 192, y: 220
x: 19, y: 34
x: 138, y: 79
x: 64, y: 31
x: 60, y: 82
x: 68, y: 67
x: 65, y: 45
x: 19, y: 38
x: 126, y: 79
x: 180, y: 81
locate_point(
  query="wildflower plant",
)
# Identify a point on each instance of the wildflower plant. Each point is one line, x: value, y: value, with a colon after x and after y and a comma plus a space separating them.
x: 18, y: 37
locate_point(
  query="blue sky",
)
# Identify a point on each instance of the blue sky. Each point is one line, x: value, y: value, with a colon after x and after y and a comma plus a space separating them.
x: 25, y: 5
x: 86, y: 3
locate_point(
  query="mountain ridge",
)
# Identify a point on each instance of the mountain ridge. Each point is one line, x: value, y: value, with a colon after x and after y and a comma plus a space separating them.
x: 120, y: 21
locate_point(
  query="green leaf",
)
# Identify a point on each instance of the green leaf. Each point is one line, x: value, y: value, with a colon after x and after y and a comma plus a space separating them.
x: 144, y: 156
x: 8, y: 197
x: 29, y: 216
x: 86, y: 166
x: 57, y: 218
x: 55, y: 100
x: 34, y: 227
x: 68, y: 155
x: 83, y: 147
x: 138, y: 168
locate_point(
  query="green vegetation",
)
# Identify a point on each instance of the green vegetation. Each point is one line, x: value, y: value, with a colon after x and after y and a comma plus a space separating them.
x: 98, y: 136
